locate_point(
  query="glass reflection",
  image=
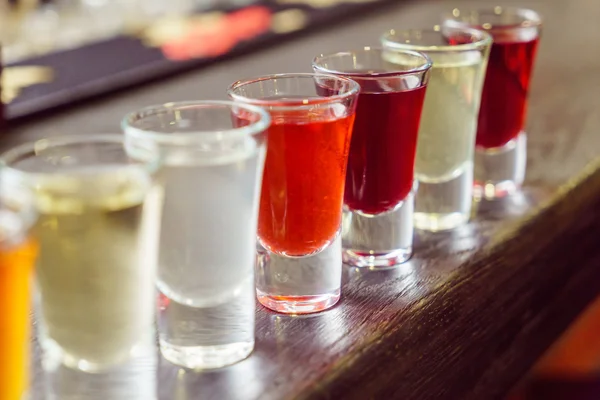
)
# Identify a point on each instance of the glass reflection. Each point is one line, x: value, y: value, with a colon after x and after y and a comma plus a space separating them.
x: 135, y: 380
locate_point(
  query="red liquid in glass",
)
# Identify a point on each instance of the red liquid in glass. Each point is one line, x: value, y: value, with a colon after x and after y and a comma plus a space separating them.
x: 504, y: 99
x: 382, y: 151
x: 303, y: 182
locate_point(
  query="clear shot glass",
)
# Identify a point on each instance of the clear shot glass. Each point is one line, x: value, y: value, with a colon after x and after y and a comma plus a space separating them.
x: 213, y: 154
x: 17, y: 258
x: 501, y: 143
x: 379, y: 194
x: 444, y: 162
x: 97, y: 229
x: 299, y: 267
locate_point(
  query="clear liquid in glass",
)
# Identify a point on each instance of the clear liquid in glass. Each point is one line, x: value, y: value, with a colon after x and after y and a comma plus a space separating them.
x: 207, y: 256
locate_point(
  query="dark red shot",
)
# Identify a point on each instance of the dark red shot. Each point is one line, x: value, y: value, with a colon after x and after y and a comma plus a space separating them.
x: 504, y: 100
x: 380, y: 169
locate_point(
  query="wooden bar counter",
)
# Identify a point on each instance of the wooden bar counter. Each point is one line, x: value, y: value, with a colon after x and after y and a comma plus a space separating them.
x: 474, y: 309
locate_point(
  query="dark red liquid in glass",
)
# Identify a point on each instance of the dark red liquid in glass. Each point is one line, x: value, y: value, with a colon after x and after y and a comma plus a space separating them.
x: 504, y: 99
x: 382, y: 150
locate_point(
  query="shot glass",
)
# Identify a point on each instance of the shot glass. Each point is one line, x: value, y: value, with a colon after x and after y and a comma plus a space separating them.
x: 444, y: 162
x: 97, y: 231
x: 299, y: 265
x: 379, y: 194
x: 501, y: 143
x: 17, y: 257
x: 213, y: 155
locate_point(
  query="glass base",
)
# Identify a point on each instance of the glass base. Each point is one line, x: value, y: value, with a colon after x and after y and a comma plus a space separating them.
x: 441, y: 206
x: 379, y: 241
x: 298, y: 304
x: 377, y: 261
x: 206, y: 357
x: 500, y: 171
x: 299, y: 285
x: 440, y: 222
x: 54, y: 357
x: 133, y: 380
x: 208, y: 337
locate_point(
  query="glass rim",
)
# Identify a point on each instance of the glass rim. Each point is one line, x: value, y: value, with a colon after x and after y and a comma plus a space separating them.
x: 29, y: 149
x: 254, y: 128
x: 423, y: 68
x: 531, y: 18
x: 485, y: 39
x: 307, y: 102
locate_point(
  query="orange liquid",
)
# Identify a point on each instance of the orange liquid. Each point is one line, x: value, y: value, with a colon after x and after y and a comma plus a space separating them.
x: 16, y: 264
x: 303, y: 182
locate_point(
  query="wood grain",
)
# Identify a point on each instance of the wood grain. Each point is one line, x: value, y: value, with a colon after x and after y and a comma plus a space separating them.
x: 475, y: 308
x: 489, y: 311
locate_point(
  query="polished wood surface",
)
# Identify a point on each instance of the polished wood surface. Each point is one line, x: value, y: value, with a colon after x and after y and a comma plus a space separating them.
x: 472, y: 311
